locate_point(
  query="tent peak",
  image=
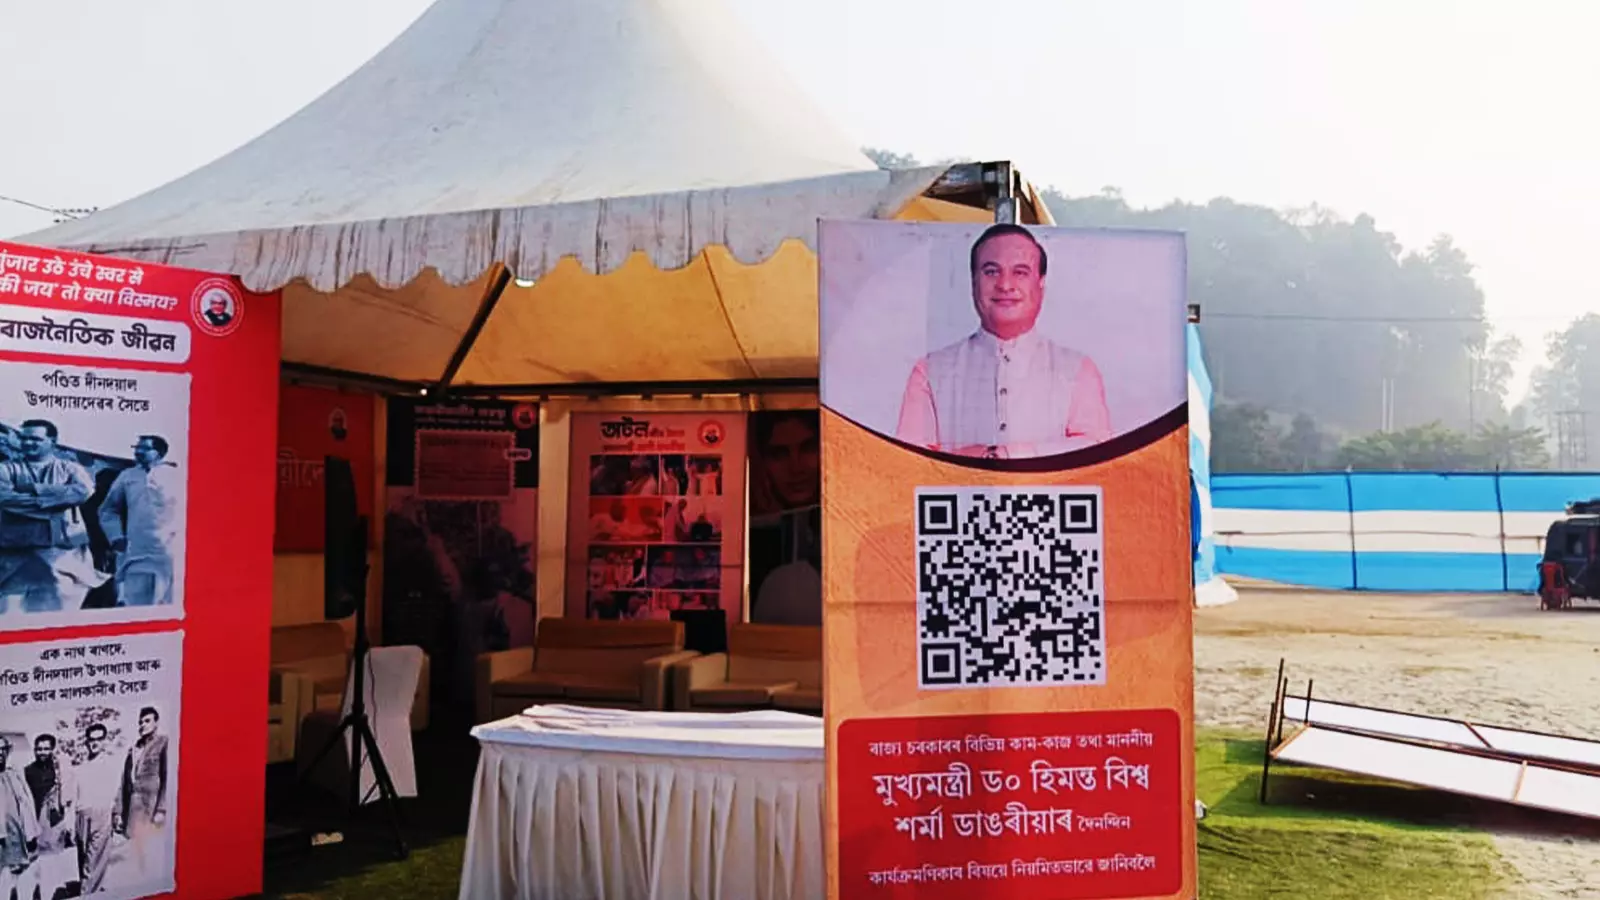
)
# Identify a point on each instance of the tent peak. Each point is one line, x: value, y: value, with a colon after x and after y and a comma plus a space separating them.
x: 497, y: 104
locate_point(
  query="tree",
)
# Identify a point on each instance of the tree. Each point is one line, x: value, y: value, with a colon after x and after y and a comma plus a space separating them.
x: 1431, y: 447
x: 1244, y: 439
x: 1435, y: 448
x: 1305, y: 312
x: 1492, y: 368
x: 1509, y: 447
x: 888, y: 159
x: 1565, y: 391
x: 1306, y: 447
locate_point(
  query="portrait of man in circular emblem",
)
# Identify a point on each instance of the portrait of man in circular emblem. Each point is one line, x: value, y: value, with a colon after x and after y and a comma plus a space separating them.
x: 217, y: 307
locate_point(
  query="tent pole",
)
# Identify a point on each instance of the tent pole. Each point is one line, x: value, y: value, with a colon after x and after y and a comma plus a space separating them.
x: 1001, y: 187
x: 342, y: 378
x: 491, y: 297
x: 379, y: 384
x: 590, y: 389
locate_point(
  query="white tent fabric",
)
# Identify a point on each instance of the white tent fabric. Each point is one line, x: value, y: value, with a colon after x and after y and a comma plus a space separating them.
x: 516, y: 131
x: 671, y: 230
x: 648, y: 179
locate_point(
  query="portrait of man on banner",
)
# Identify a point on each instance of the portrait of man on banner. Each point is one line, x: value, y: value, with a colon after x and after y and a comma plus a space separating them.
x: 785, y: 518
x: 1005, y: 390
x: 1029, y: 347
x: 45, y: 561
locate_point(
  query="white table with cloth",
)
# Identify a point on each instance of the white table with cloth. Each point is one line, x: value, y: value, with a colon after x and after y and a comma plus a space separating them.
x: 573, y: 803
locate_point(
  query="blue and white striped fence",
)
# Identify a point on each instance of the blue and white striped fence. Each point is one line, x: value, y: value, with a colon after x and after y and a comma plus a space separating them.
x: 1391, y: 531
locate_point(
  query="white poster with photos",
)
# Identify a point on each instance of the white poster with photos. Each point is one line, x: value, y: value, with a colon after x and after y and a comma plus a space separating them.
x: 93, y: 495
x: 89, y: 765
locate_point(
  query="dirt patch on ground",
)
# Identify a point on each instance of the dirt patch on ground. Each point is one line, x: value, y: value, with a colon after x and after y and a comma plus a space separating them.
x: 1494, y: 659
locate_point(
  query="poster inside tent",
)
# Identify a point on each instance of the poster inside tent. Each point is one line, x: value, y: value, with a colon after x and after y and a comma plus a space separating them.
x: 94, y: 453
x: 785, y: 517
x: 1007, y: 588
x: 460, y: 532
x: 313, y: 424
x: 89, y: 765
x: 655, y: 504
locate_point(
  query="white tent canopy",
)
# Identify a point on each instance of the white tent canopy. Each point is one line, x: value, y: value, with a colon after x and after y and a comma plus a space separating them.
x: 494, y: 139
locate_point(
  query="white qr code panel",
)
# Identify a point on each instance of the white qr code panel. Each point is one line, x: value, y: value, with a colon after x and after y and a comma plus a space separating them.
x: 1010, y: 587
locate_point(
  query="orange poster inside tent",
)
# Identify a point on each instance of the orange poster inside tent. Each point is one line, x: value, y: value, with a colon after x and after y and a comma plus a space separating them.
x: 651, y: 497
x: 1006, y: 563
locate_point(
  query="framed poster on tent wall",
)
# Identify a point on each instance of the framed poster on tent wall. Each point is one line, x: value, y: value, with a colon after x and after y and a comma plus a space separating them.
x: 1006, y: 563
x: 460, y: 532
x: 136, y: 508
x: 785, y: 517
x: 655, y: 514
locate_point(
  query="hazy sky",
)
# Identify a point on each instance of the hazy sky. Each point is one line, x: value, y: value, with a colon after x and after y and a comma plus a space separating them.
x: 1472, y: 118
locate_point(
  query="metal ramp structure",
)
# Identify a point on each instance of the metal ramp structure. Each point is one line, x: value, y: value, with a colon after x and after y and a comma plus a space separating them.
x: 1555, y: 773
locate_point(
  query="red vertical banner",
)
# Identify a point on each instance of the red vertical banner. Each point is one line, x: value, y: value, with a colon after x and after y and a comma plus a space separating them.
x: 315, y: 423
x: 136, y: 508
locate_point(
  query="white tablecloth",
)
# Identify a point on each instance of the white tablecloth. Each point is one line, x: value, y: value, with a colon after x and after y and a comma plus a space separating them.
x: 595, y: 804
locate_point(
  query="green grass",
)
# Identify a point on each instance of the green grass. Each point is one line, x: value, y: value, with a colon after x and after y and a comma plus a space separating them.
x: 1324, y: 835
x: 1320, y: 837
x: 430, y: 873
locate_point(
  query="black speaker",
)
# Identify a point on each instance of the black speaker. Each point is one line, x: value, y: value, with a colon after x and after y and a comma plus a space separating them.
x: 344, y: 545
x: 704, y: 630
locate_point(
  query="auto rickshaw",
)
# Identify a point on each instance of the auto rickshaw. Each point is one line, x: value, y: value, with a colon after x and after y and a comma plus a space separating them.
x: 1570, y: 568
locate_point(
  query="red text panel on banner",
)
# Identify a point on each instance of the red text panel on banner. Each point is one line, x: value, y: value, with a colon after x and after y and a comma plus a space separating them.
x: 1006, y: 562
x: 138, y: 410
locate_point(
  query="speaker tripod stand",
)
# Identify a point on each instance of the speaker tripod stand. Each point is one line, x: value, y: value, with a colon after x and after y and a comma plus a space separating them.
x: 359, y: 729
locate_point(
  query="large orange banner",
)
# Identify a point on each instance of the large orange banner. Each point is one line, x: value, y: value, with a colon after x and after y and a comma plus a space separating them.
x: 1006, y: 563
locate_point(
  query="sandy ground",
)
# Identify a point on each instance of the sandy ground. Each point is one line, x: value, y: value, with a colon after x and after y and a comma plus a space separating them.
x: 1497, y: 660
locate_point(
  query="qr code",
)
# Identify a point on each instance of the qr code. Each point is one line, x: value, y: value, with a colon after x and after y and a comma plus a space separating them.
x: 1010, y: 587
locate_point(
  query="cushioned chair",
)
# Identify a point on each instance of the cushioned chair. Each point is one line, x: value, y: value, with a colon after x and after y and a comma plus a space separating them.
x: 584, y: 662
x: 766, y: 666
x: 320, y: 651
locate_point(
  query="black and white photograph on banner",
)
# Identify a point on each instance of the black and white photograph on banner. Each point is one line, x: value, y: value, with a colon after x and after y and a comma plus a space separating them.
x: 93, y: 495
x: 89, y: 766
